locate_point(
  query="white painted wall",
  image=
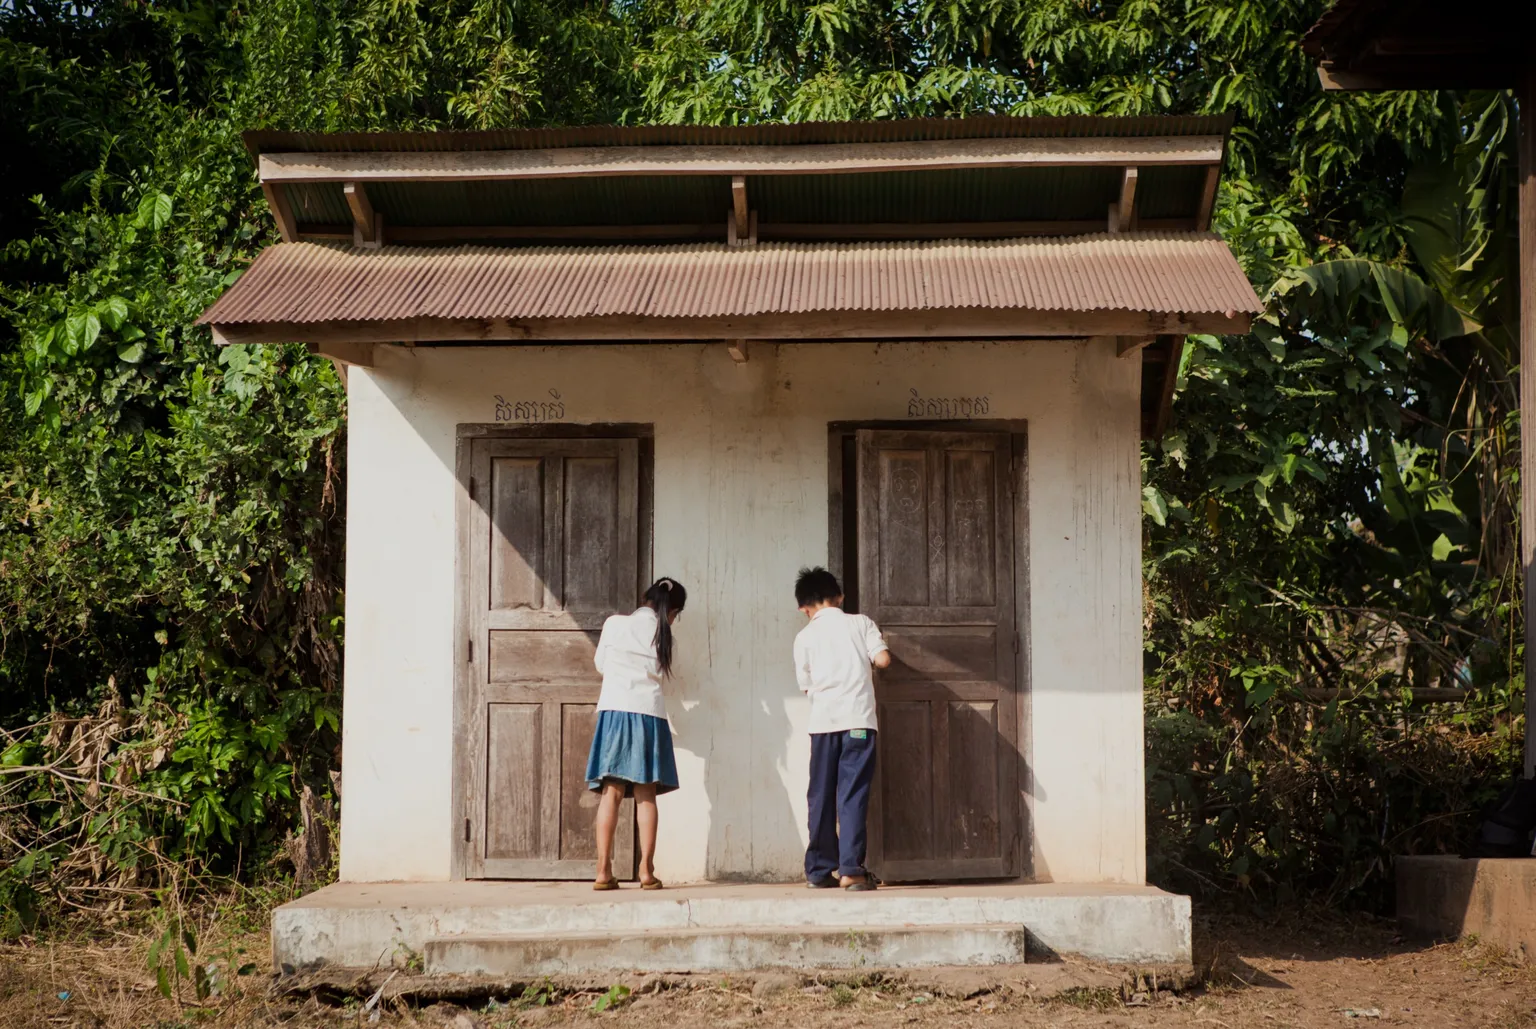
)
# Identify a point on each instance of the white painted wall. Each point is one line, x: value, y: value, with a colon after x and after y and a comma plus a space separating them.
x: 741, y: 503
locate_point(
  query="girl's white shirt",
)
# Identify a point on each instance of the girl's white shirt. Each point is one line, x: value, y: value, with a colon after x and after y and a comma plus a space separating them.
x: 626, y: 657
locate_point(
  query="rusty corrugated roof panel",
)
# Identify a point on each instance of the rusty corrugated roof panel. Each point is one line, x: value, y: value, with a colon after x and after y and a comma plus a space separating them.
x: 1415, y: 44
x: 1335, y: 21
x: 1174, y: 273
x: 889, y: 131
x: 1009, y: 169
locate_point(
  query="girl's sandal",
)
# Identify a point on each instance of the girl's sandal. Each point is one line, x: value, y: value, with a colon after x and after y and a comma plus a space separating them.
x: 605, y: 884
x: 651, y: 884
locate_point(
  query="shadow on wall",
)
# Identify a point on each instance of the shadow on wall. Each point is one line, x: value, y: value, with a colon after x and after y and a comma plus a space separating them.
x: 753, y: 827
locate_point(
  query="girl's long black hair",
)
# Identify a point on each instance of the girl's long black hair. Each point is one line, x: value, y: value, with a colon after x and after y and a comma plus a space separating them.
x: 664, y: 597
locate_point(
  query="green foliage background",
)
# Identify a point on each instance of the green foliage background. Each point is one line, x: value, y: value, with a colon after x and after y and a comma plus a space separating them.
x: 1329, y: 525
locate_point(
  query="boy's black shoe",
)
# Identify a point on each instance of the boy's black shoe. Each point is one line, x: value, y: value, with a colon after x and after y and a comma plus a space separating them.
x: 866, y: 883
x: 822, y: 884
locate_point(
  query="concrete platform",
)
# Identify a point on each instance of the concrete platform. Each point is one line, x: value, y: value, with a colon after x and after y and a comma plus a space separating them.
x: 567, y: 927
x: 1446, y: 896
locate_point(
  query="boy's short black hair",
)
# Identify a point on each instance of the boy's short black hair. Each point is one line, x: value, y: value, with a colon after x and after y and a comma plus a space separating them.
x: 816, y: 586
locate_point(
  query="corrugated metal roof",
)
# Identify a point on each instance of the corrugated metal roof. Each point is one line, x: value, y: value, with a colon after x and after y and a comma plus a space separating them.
x: 889, y: 131
x: 1174, y: 273
x: 611, y: 190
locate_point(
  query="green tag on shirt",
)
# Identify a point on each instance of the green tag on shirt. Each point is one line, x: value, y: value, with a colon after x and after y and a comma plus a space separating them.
x: 858, y: 734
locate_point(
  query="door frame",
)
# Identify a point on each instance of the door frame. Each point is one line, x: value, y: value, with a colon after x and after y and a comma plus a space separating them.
x: 842, y: 557
x: 465, y: 434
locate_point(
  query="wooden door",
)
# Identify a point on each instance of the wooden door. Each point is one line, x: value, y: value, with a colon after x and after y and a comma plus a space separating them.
x: 549, y: 550
x: 935, y: 566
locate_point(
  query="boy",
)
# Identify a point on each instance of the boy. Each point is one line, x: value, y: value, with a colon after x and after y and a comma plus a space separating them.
x: 833, y: 655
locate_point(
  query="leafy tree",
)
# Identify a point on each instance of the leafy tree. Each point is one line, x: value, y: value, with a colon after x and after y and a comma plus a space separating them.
x: 170, y: 513
x: 1344, y: 548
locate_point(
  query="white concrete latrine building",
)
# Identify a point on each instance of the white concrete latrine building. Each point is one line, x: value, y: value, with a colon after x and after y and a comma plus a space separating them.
x: 922, y: 353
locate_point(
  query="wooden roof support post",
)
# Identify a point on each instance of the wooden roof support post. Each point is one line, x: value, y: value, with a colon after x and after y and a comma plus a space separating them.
x: 360, y: 354
x: 739, y: 205
x: 366, y: 222
x: 282, y: 213
x: 345, y: 355
x: 1125, y: 346
x: 1126, y: 211
x: 1207, y: 198
x: 1170, y: 380
x: 1526, y: 92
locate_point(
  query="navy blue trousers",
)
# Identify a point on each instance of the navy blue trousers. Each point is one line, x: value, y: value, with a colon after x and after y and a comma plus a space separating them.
x: 842, y: 769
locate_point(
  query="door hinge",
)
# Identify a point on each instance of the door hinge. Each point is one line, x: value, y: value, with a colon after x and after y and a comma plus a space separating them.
x: 471, y: 645
x: 1015, y: 643
x: 466, y: 830
x: 471, y: 487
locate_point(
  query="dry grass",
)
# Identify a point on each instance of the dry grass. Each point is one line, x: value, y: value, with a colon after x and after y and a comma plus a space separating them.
x: 1295, y: 974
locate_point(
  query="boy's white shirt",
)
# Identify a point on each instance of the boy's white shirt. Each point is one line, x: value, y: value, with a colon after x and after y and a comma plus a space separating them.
x: 626, y: 657
x: 832, y: 665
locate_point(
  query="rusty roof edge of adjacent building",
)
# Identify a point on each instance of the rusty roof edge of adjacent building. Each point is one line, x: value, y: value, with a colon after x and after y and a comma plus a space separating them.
x: 1336, y: 23
x: 259, y: 141
x: 1164, y: 272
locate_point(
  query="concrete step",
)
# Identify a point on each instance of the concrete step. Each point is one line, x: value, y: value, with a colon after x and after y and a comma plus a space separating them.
x: 720, y: 950
x: 356, y: 925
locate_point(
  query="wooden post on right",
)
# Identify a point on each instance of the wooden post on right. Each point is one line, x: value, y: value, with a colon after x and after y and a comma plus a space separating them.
x: 1526, y: 275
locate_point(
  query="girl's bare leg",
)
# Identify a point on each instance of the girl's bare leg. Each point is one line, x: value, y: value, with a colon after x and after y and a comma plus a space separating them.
x: 646, y: 818
x: 607, y: 822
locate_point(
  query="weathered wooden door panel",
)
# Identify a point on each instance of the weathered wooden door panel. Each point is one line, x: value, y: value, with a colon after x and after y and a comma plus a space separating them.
x: 551, y: 548
x: 935, y: 516
x: 578, y: 805
x: 513, y: 825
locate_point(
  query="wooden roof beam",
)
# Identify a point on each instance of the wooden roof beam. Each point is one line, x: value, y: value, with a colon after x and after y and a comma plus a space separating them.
x: 956, y: 230
x: 958, y: 323
x: 767, y: 231
x: 809, y: 159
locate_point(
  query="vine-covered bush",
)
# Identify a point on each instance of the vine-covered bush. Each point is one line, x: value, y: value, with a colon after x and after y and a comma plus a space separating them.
x: 1329, y: 524
x: 171, y: 544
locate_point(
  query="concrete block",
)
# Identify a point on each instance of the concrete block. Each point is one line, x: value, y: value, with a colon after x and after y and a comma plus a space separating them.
x: 724, y: 950
x: 1449, y: 897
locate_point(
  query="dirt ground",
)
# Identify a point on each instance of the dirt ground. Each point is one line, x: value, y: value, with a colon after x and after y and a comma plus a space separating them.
x: 1288, y: 973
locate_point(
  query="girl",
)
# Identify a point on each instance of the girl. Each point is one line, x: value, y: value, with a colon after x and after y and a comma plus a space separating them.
x: 632, y: 745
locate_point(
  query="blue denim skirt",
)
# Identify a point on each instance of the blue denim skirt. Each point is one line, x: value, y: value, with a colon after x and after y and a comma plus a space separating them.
x: 632, y: 748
